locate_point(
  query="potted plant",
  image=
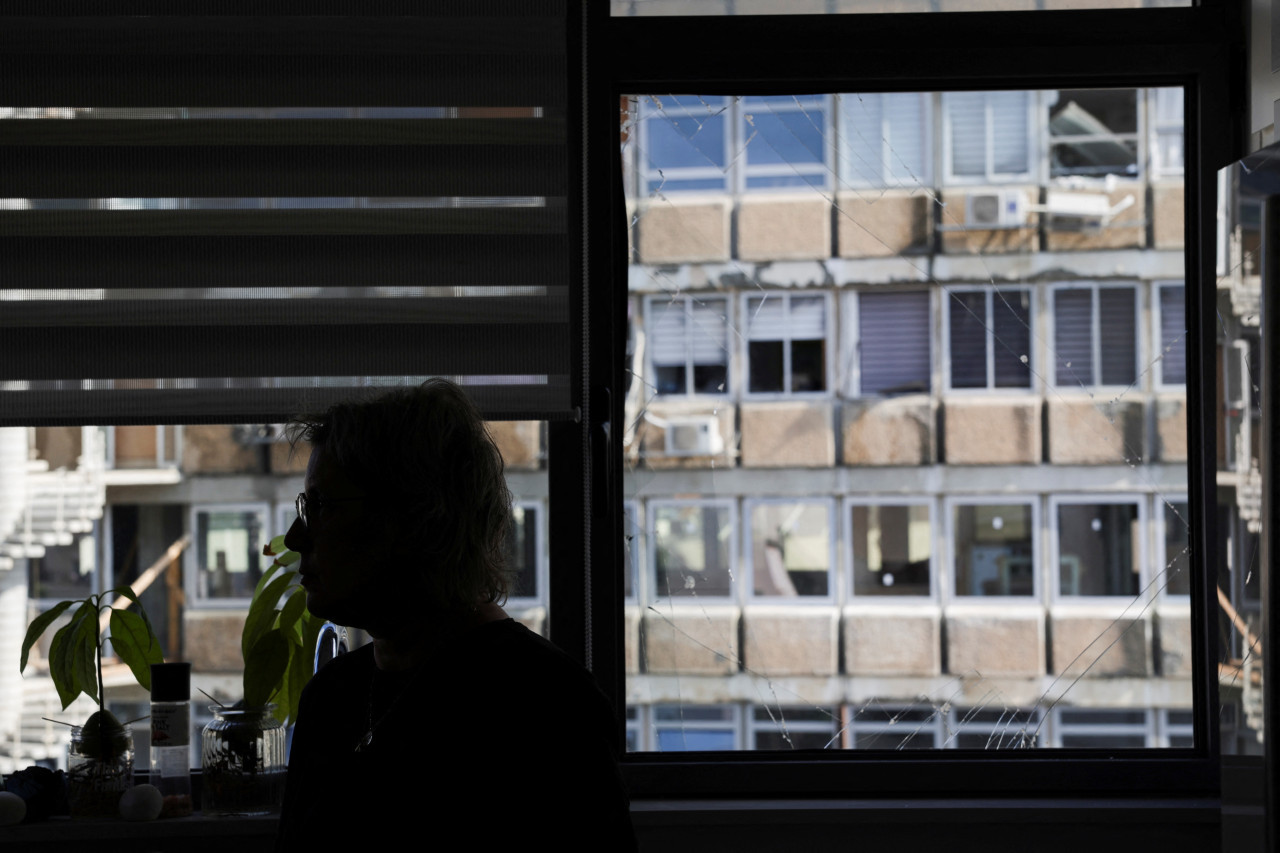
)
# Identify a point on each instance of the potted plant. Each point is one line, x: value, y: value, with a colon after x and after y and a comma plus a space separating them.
x: 100, y: 762
x: 243, y: 749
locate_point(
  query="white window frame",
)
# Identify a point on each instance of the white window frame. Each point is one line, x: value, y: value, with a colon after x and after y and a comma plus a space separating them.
x: 192, y: 569
x: 734, y: 722
x: 653, y: 305
x: 1167, y: 730
x: 1157, y: 336
x: 1160, y: 563
x: 162, y: 449
x: 749, y: 568
x: 850, y: 176
x: 851, y: 340
x: 1158, y: 125
x: 651, y: 551
x: 755, y: 727
x: 744, y: 323
x: 990, y: 176
x: 1095, y: 383
x: 988, y: 323
x: 741, y: 168
x: 1060, y: 729
x: 950, y: 504
x: 1145, y: 593
x: 540, y: 557
x: 1000, y: 737
x: 1138, y: 136
x: 847, y: 567
x: 646, y: 171
x: 896, y: 732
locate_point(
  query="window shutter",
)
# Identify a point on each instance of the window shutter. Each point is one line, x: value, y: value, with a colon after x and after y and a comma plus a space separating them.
x: 808, y: 318
x: 180, y: 246
x: 708, y: 332
x: 1073, y: 337
x: 908, y: 145
x: 767, y: 318
x: 666, y: 333
x: 894, y: 332
x: 1011, y: 353
x: 1173, y: 335
x: 862, y: 132
x: 1009, y: 129
x: 1117, y: 316
x: 968, y: 122
x: 968, y: 337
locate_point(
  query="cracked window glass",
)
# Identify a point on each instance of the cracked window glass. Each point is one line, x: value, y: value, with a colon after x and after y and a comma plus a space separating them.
x: 906, y: 449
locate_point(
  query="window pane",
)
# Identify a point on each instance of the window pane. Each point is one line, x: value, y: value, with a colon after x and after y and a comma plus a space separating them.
x: 994, y: 550
x: 968, y: 339
x: 522, y: 551
x: 791, y: 549
x: 1177, y: 549
x: 1073, y: 337
x: 1094, y: 132
x: 894, y: 336
x: 1098, y: 551
x: 1119, y: 344
x: 692, y: 550
x: 1173, y: 336
x: 892, y: 550
x: 1011, y: 322
x: 229, y: 552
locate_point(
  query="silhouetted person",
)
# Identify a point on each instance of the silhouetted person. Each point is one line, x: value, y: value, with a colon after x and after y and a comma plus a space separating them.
x: 456, y: 726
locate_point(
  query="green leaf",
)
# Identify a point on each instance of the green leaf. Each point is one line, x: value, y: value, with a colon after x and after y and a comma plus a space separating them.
x: 262, y: 613
x: 293, y: 610
x: 288, y: 558
x: 265, y: 579
x: 275, y: 546
x: 136, y: 644
x: 38, y: 627
x: 60, y: 663
x: 265, y: 666
x: 126, y: 592
x: 84, y: 655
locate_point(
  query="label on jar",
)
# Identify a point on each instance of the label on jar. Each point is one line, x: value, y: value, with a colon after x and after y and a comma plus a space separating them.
x: 171, y: 724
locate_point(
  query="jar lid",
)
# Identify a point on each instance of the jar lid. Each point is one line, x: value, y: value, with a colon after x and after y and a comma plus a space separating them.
x: 170, y: 682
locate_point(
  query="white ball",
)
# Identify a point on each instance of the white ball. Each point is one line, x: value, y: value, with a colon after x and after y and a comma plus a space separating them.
x: 141, y: 802
x: 12, y: 808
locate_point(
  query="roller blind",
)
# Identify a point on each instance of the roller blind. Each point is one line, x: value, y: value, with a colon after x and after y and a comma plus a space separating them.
x: 894, y: 334
x: 240, y: 218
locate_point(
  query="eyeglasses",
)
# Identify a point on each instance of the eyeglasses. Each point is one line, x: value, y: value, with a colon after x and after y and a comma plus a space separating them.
x: 307, y: 505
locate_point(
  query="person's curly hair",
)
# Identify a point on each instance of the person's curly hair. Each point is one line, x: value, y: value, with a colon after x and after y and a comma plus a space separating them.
x: 423, y: 454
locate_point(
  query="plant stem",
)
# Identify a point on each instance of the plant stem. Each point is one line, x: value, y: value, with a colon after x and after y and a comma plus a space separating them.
x: 102, y: 694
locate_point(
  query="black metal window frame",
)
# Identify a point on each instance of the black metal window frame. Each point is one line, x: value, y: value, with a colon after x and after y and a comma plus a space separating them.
x: 1198, y: 48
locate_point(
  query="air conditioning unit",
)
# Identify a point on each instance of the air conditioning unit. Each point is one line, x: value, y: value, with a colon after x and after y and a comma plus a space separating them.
x: 694, y: 436
x: 996, y: 209
x: 1069, y: 211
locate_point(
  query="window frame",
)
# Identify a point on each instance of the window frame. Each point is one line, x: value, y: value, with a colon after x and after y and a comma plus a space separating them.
x: 653, y: 595
x: 848, y: 568
x: 744, y: 312
x: 646, y: 172
x: 743, y: 171
x: 748, y: 566
x: 1145, y: 595
x: 540, y: 597
x: 851, y: 350
x: 989, y: 176
x: 1034, y: 379
x: 883, y: 179
x: 653, y: 302
x: 951, y: 549
x: 1138, y: 136
x: 1095, y: 332
x: 192, y: 569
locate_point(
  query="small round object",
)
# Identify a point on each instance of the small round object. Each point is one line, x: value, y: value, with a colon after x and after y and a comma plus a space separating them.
x: 141, y: 802
x: 12, y: 808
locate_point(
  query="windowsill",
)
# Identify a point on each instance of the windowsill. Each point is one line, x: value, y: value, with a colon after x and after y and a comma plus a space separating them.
x: 195, y: 834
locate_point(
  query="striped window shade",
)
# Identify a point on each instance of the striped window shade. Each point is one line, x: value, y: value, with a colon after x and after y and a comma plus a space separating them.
x: 236, y: 219
x: 894, y: 334
x: 988, y: 134
x: 1173, y: 335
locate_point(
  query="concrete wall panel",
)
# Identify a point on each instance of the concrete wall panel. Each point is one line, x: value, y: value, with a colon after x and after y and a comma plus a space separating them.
x: 213, y: 450
x: 518, y: 442
x: 794, y: 640
x: 788, y: 435
x: 1084, y: 432
x: 781, y: 229
x: 996, y: 642
x: 211, y: 639
x: 1171, y: 428
x: 1167, y: 224
x: 1097, y: 644
x: 895, y: 431
x: 962, y: 240
x: 684, y: 232
x: 992, y: 432
x: 691, y: 640
x: 874, y: 223
x: 893, y: 641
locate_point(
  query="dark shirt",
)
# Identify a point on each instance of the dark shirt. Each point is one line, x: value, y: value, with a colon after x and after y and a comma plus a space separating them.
x: 499, y: 736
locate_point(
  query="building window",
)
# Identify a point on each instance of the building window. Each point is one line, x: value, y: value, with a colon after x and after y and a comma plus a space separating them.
x: 894, y: 334
x: 994, y: 549
x: 1099, y: 548
x: 1175, y: 560
x: 989, y: 338
x: 1100, y: 728
x: 786, y: 343
x: 1095, y: 335
x: 686, y: 143
x: 1093, y: 132
x: 693, y: 549
x: 988, y: 136
x: 791, y: 547
x: 1171, y: 361
x: 885, y: 140
x: 781, y: 727
x: 994, y: 728
x: 892, y: 549
x: 786, y: 141
x: 144, y: 446
x: 695, y: 728
x: 1168, y: 151
x: 633, y: 555
x: 688, y: 344
x: 228, y: 550
x: 1177, y: 728
x: 877, y: 726
x: 64, y: 571
x: 523, y: 548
